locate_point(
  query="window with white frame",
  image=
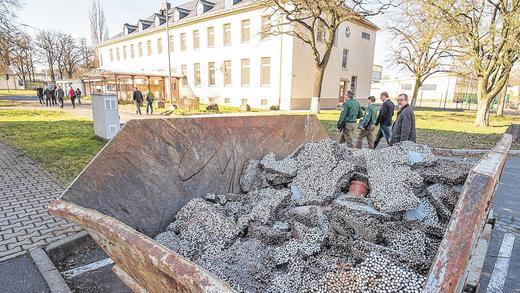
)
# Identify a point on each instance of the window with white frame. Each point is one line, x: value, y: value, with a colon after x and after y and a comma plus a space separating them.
x: 227, y: 34
x: 172, y: 43
x: 344, y: 60
x: 148, y: 48
x: 365, y: 36
x: 118, y: 56
x: 246, y: 30
x: 265, y: 74
x: 211, y: 73
x: 183, y: 42
x: 124, y: 52
x: 132, y: 51
x: 159, y: 46
x: 184, y: 70
x: 211, y: 37
x: 227, y: 73
x: 196, y: 74
x: 140, y: 49
x: 245, y: 72
x: 111, y: 55
x: 196, y: 40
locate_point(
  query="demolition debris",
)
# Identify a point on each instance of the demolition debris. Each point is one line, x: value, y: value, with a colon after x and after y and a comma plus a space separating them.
x: 296, y: 227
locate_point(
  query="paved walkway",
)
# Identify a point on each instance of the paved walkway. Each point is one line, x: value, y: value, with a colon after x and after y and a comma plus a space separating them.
x: 25, y: 191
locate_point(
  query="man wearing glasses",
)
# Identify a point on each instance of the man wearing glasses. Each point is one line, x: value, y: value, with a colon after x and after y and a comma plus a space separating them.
x: 404, y: 126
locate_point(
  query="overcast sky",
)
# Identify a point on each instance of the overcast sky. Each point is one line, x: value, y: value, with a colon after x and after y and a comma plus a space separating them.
x: 71, y: 16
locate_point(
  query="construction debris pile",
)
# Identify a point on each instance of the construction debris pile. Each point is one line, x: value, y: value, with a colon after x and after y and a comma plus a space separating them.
x: 297, y: 228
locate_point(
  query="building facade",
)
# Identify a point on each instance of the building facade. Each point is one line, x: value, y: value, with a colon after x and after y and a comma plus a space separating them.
x: 219, y: 55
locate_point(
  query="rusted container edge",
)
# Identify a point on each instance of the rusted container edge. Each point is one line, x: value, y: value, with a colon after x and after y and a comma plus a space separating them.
x: 154, y: 267
x: 448, y: 271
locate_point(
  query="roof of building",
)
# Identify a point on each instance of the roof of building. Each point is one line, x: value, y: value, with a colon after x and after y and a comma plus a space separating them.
x: 190, y: 8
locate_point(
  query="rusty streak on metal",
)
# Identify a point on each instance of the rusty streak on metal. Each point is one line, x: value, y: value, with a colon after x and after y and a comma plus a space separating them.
x: 448, y: 272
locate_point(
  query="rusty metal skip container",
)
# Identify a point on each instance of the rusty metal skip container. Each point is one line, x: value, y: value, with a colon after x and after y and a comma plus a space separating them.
x: 134, y: 187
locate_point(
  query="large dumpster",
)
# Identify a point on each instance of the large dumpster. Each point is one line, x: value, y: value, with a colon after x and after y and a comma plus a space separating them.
x: 152, y: 168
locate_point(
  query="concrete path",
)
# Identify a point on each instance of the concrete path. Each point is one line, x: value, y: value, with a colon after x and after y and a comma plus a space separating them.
x: 25, y: 191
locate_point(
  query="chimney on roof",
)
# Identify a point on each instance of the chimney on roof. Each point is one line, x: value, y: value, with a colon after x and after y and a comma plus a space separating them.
x: 165, y: 6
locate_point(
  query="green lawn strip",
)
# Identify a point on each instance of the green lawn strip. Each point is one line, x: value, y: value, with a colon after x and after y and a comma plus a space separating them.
x: 61, y: 143
x: 445, y: 129
x: 4, y: 92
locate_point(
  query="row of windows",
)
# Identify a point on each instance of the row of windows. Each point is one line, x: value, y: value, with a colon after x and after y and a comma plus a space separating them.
x: 226, y: 68
x: 263, y: 102
x: 210, y: 32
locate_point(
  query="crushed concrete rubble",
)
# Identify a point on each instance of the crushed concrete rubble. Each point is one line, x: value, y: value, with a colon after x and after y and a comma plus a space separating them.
x: 296, y: 228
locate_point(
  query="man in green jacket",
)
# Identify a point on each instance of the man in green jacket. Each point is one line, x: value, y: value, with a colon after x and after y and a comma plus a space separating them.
x: 347, y: 120
x: 367, y: 125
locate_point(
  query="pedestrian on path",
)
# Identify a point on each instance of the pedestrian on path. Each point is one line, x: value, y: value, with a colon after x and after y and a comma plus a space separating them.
x: 347, y: 120
x: 367, y: 125
x: 61, y: 94
x: 39, y: 92
x: 53, y: 96
x: 78, y: 95
x: 138, y: 99
x: 404, y: 126
x: 72, y: 96
x: 149, y: 101
x: 47, y: 94
x: 384, y: 119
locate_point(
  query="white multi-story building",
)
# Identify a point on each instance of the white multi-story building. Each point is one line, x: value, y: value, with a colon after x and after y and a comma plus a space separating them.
x: 219, y: 55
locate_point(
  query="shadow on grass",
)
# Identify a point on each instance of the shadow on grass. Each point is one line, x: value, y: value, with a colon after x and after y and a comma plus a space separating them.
x: 62, y: 147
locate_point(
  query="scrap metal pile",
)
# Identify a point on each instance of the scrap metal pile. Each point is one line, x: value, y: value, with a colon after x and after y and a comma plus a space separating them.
x: 296, y: 227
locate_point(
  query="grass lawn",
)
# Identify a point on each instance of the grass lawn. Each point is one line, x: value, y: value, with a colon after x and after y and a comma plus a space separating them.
x: 18, y: 92
x: 444, y: 129
x: 61, y: 143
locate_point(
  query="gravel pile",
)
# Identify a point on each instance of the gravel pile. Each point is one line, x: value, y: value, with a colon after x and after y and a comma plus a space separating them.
x: 296, y: 228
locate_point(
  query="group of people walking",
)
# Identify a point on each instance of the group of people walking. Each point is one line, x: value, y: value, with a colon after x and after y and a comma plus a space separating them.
x: 54, y: 96
x: 402, y: 129
x: 138, y: 100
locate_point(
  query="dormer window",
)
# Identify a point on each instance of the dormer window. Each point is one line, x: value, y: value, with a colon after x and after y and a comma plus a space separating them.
x: 180, y: 13
x: 159, y: 20
x: 143, y: 24
x: 204, y: 6
x: 229, y: 3
x: 128, y: 28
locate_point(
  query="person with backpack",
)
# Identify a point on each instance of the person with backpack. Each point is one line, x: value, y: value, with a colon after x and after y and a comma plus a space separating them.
x: 47, y: 94
x: 53, y: 96
x: 39, y: 92
x: 78, y: 96
x: 138, y: 99
x: 347, y: 120
x: 72, y: 96
x: 367, y: 125
x: 149, y: 101
x: 61, y: 94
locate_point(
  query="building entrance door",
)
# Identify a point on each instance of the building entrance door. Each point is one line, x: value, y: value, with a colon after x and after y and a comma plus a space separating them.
x: 342, y: 89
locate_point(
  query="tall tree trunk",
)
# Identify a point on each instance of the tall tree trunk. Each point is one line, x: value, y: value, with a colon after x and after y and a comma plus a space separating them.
x: 501, y: 102
x: 482, y: 118
x: 316, y: 90
x: 416, y: 88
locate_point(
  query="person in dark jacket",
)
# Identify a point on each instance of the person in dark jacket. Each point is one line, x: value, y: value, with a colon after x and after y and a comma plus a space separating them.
x: 384, y: 119
x: 53, y: 96
x: 47, y: 94
x: 367, y: 125
x: 78, y: 96
x: 39, y: 92
x: 138, y: 99
x: 60, y: 93
x: 404, y: 126
x: 347, y: 120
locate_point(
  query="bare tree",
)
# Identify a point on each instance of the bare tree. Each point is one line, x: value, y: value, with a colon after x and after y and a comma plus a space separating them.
x: 422, y: 49
x: 98, y: 26
x: 46, y: 43
x: 22, y: 56
x: 313, y: 20
x: 488, y: 37
x: 7, y: 15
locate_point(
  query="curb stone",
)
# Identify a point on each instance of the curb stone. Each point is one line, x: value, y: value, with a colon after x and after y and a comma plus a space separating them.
x: 49, y: 272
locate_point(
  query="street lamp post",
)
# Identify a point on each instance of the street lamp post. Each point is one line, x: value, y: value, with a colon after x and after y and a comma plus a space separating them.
x: 169, y: 87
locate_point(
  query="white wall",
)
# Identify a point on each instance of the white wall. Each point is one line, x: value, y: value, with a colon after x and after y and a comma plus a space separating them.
x: 360, y: 61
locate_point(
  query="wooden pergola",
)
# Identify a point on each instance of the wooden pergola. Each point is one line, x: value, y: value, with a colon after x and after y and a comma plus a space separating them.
x: 102, y: 80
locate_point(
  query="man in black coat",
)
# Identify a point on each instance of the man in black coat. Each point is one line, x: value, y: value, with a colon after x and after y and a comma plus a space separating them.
x: 53, y: 96
x: 404, y: 126
x: 39, y: 92
x: 138, y: 99
x: 384, y: 119
x: 47, y: 94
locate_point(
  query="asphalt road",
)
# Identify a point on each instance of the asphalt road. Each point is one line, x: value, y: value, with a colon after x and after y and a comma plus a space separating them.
x: 20, y: 275
x: 506, y: 207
